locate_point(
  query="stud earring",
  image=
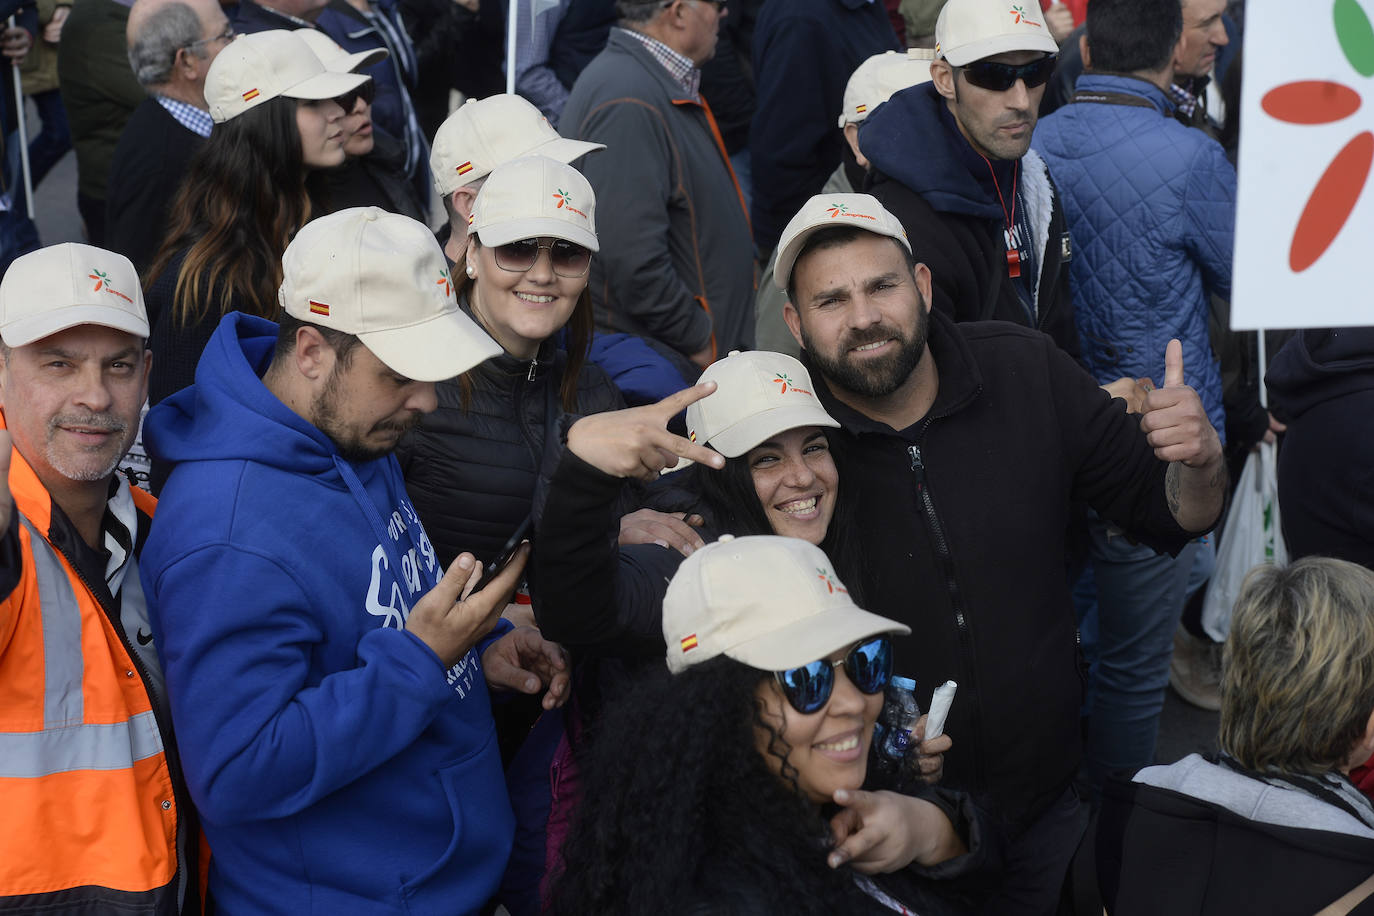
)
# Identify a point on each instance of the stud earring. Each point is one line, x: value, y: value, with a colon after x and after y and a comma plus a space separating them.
x: 471, y: 272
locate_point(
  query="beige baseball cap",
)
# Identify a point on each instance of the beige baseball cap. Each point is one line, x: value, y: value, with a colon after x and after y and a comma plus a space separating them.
x: 335, y: 58
x: 758, y: 394
x: 880, y: 77
x: 62, y: 286
x: 256, y: 68
x: 828, y: 210
x: 970, y: 30
x: 484, y: 133
x: 770, y: 602
x: 535, y: 196
x: 383, y: 277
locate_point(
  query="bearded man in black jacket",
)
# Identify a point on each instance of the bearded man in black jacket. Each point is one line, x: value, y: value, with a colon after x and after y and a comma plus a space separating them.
x: 965, y: 445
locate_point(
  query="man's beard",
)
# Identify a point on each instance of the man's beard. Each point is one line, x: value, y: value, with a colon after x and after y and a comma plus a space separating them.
x: 877, y: 377
x: 87, y: 473
x: 324, y: 415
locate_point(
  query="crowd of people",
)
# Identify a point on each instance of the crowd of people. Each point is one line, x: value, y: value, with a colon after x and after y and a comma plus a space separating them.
x: 549, y: 493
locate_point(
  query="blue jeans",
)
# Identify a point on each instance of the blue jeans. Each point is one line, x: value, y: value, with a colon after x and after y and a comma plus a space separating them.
x: 1140, y: 598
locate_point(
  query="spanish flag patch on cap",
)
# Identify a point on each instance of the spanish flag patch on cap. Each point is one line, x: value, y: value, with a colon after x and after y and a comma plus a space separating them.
x: 250, y: 95
x: 465, y: 168
x: 689, y: 642
x: 318, y: 308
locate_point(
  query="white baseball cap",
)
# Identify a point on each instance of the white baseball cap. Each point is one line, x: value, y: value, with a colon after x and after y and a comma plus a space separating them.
x: 255, y: 68
x: 826, y: 211
x: 770, y: 602
x: 758, y: 394
x: 335, y: 58
x: 970, y: 30
x: 881, y: 76
x: 484, y: 133
x: 531, y: 197
x: 383, y: 277
x: 62, y: 286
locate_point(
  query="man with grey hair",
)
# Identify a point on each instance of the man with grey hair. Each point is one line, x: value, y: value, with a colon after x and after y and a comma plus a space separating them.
x: 171, y: 46
x: 676, y: 263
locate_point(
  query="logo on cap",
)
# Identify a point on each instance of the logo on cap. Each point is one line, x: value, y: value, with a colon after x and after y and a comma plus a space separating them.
x: 565, y: 200
x: 445, y: 283
x: 465, y: 168
x: 832, y: 584
x: 102, y: 281
x: 692, y: 436
x: 318, y: 308
x: 860, y: 109
x: 250, y: 95
x: 689, y: 642
x: 838, y: 210
x: 1018, y: 16
x: 787, y: 384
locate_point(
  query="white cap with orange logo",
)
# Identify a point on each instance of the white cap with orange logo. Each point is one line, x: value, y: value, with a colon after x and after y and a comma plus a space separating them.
x: 61, y: 286
x: 970, y: 30
x: 826, y: 211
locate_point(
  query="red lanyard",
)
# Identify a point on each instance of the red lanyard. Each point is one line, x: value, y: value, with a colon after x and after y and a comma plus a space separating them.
x: 1013, y: 251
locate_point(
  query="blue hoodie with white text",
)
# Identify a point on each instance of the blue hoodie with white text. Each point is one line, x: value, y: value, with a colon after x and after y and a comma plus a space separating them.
x: 336, y: 765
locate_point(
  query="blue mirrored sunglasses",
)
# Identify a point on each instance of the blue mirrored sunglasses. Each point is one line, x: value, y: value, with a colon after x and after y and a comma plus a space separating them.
x: 868, y: 667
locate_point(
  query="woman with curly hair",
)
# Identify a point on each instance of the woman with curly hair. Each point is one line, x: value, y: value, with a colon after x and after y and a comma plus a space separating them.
x: 244, y: 197
x: 734, y: 784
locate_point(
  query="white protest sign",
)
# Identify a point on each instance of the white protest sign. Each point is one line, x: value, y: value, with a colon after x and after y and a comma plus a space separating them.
x: 1305, y: 218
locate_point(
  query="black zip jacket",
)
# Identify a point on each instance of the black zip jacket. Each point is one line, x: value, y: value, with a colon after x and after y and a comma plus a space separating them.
x: 964, y: 516
x: 474, y: 472
x: 955, y: 221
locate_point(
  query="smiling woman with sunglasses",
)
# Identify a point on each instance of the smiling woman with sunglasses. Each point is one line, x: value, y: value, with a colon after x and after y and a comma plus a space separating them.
x: 735, y: 785
x: 473, y: 466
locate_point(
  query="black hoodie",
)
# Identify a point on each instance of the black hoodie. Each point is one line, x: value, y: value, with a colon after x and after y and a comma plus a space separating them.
x: 1322, y: 385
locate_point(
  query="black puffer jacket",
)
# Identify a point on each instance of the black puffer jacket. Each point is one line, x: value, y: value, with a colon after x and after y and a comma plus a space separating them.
x: 474, y: 473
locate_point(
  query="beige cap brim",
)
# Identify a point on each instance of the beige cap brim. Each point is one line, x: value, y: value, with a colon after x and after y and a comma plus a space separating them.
x: 24, y: 331
x: 537, y: 227
x: 564, y: 150
x: 357, y: 61
x: 804, y: 641
x: 1001, y: 44
x: 434, y: 350
x: 325, y: 86
x: 734, y: 441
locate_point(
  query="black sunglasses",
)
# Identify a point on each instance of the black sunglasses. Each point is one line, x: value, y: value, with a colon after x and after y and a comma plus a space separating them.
x: 868, y: 666
x: 367, y: 92
x: 568, y: 258
x: 995, y: 77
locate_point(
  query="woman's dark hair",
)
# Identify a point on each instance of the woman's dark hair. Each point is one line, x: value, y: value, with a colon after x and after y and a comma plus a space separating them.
x: 578, y: 339
x: 678, y: 801
x: 735, y: 509
x: 242, y: 200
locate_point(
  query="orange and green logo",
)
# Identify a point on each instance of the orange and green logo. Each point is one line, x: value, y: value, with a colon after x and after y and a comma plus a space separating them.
x: 102, y: 281
x: 832, y: 584
x: 565, y: 201
x: 1333, y: 199
x: 786, y: 384
x: 838, y: 210
x: 445, y: 282
x: 1019, y: 17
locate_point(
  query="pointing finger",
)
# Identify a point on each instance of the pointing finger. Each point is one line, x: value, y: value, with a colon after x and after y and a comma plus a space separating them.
x: 1173, y: 364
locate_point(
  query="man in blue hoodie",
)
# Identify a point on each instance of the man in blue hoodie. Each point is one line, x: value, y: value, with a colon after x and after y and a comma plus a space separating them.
x: 328, y: 681
x: 1151, y: 205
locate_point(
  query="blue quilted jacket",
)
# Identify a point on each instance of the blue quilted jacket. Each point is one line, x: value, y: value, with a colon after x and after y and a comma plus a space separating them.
x: 1151, y: 210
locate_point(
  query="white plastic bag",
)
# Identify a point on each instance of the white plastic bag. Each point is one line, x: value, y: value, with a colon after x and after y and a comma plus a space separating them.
x: 1252, y: 536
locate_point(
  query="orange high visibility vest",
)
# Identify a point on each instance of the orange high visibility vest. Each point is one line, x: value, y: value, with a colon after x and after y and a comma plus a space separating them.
x: 88, y: 815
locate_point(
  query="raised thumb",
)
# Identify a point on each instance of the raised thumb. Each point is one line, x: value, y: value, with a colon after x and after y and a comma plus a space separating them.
x: 1173, y: 364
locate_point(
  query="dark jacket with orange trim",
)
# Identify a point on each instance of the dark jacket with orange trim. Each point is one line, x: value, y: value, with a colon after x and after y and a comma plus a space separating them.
x: 84, y: 721
x: 676, y: 260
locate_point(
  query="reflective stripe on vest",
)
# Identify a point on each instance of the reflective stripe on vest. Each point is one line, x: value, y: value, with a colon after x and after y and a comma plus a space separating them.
x: 66, y: 742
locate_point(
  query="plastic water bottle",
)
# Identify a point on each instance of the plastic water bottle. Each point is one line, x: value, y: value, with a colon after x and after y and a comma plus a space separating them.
x: 893, y: 740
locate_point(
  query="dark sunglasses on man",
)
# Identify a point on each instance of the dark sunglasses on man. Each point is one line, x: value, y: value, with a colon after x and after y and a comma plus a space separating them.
x: 996, y: 77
